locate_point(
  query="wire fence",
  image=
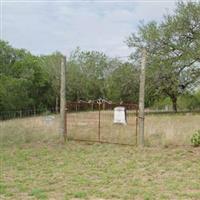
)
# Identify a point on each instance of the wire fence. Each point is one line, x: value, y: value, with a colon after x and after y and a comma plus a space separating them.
x: 94, y: 121
x: 29, y: 126
x: 13, y: 114
x: 88, y: 121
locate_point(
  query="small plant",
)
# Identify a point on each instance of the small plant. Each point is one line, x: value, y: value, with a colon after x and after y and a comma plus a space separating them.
x: 80, y: 195
x: 38, y: 193
x: 196, y: 139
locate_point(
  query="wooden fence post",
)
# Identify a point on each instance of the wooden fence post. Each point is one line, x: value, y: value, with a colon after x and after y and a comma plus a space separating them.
x: 99, y: 123
x: 62, y: 99
x: 141, y: 99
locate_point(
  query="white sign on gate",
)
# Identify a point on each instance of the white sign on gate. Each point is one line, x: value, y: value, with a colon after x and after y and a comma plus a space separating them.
x: 120, y: 115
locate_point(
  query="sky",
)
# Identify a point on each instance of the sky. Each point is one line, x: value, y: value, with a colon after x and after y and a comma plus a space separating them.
x: 46, y: 26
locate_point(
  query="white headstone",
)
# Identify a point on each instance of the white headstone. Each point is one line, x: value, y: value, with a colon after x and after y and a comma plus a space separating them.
x: 119, y: 115
x: 49, y: 119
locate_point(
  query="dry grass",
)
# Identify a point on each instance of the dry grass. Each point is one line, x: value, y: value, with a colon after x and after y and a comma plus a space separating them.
x: 26, y: 130
x: 160, y: 130
x: 35, y: 164
x: 171, y: 129
x: 85, y: 126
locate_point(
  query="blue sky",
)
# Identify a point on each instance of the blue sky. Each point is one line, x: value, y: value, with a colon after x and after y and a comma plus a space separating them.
x: 43, y: 27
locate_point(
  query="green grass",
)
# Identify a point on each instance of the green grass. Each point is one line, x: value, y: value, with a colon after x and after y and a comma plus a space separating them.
x: 89, y: 171
x: 38, y: 193
x: 35, y: 164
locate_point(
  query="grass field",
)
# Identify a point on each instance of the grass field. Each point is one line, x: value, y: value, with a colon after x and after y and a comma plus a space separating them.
x: 160, y: 130
x: 35, y: 164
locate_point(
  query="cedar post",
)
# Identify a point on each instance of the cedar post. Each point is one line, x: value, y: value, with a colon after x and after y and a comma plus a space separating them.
x: 141, y: 99
x: 62, y: 99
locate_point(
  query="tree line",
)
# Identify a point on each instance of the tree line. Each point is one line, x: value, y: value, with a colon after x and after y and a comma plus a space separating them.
x: 172, y: 74
x: 33, y: 82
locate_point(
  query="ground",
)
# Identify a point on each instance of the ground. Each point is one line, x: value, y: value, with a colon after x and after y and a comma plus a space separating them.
x: 91, y: 171
x: 41, y: 166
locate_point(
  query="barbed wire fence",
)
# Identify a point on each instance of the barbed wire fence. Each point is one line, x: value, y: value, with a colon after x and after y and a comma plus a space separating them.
x: 26, y: 126
x: 90, y: 121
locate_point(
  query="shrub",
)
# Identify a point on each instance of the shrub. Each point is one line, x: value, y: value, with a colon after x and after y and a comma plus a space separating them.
x: 196, y: 139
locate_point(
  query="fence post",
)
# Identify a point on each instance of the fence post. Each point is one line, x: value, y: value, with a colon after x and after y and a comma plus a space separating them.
x: 56, y: 107
x: 34, y: 111
x: 20, y: 114
x: 99, y: 125
x: 136, y: 126
x: 141, y: 99
x: 62, y: 99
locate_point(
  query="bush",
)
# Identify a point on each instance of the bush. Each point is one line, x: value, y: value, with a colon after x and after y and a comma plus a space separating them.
x: 189, y: 101
x: 196, y: 139
x: 161, y: 104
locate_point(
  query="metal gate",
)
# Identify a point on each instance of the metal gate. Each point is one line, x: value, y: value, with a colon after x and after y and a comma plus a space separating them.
x: 93, y: 121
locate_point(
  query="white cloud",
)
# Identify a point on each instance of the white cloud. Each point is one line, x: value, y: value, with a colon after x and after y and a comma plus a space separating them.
x: 49, y: 26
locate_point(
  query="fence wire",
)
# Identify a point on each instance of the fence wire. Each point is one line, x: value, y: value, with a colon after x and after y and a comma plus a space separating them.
x: 94, y: 121
x: 27, y: 126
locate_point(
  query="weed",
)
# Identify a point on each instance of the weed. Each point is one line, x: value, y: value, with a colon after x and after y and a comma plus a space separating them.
x: 38, y: 193
x: 196, y: 139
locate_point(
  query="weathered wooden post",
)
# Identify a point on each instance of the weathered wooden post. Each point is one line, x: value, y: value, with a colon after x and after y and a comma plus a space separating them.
x: 141, y: 99
x: 62, y: 99
x: 99, y: 124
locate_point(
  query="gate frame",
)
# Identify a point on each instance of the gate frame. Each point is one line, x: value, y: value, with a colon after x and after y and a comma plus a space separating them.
x: 106, y: 105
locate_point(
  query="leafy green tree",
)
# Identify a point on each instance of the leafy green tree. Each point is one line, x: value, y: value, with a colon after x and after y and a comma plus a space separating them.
x: 190, y: 101
x: 13, y: 94
x: 86, y: 75
x: 24, y: 83
x: 123, y: 83
x: 51, y: 65
x: 173, y: 51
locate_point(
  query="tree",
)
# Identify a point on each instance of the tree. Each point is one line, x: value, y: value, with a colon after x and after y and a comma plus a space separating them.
x: 123, y: 83
x: 86, y: 74
x: 51, y: 64
x: 173, y: 51
x: 24, y: 83
x: 33, y: 82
